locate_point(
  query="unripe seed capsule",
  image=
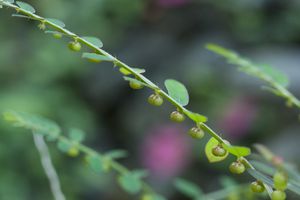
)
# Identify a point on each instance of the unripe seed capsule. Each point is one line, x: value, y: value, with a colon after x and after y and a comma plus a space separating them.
x: 219, y: 151
x: 135, y: 85
x: 278, y: 195
x: 74, y: 46
x: 280, y: 180
x: 196, y: 133
x: 237, y: 168
x: 73, y: 152
x: 257, y: 187
x: 155, y: 100
x: 57, y: 35
x: 176, y: 116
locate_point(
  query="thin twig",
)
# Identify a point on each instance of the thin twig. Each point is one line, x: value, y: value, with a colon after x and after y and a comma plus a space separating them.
x: 48, y: 166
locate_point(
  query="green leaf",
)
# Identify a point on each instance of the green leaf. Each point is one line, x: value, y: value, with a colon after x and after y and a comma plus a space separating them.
x: 21, y: 16
x: 212, y: 143
x: 260, y: 176
x: 263, y: 167
x: 130, y: 183
x: 140, y: 173
x: 188, y: 188
x: 10, y: 1
x: 95, y: 41
x: 64, y: 145
x: 76, y: 135
x: 126, y: 72
x: 195, y: 116
x: 126, y: 78
x: 56, y: 22
x: 177, y: 91
x: 222, y: 51
x: 95, y: 162
x: 276, y: 75
x: 96, y: 57
x: 116, y: 154
x: 32, y: 122
x: 25, y: 6
x: 238, y: 151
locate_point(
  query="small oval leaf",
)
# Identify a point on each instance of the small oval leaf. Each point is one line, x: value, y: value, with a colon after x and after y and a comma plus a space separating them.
x: 126, y: 72
x: 195, y: 116
x: 177, y: 91
x: 130, y: 183
x: 95, y: 41
x: 25, y: 6
x: 238, y: 151
x: 56, y: 22
x: 212, y: 143
x: 96, y: 57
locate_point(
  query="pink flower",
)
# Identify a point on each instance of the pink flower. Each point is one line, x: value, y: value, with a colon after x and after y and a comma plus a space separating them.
x: 171, y: 3
x: 165, y: 151
x: 238, y: 117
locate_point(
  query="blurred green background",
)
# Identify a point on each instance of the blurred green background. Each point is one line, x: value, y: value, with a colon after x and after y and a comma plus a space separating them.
x: 167, y: 38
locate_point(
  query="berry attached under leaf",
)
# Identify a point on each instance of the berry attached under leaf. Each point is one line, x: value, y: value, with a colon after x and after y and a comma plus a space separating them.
x: 278, y: 195
x: 237, y: 167
x: 219, y: 151
x: 257, y: 187
x: 196, y: 133
x: 57, y: 35
x: 177, y: 116
x: 135, y: 85
x: 74, y: 46
x: 280, y: 180
x: 155, y: 100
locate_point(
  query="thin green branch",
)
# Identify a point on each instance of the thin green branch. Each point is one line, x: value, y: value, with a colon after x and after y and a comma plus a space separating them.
x: 138, y: 76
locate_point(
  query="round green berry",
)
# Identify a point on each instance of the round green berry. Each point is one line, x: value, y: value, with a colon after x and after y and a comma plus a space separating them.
x: 135, y: 85
x: 237, y: 168
x: 196, y: 133
x: 176, y: 116
x: 219, y: 151
x: 74, y: 46
x: 73, y: 152
x: 155, y: 100
x: 57, y: 35
x: 257, y: 187
x: 278, y: 195
x: 280, y: 180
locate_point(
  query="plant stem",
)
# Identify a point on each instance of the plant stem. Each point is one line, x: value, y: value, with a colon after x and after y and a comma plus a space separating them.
x: 48, y: 166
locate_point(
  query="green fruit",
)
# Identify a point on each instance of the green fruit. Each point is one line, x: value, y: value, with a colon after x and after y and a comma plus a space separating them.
x: 73, y: 152
x: 155, y: 100
x: 135, y: 85
x: 278, y: 195
x: 57, y: 35
x: 176, y: 116
x: 74, y: 46
x: 196, y: 133
x: 237, y: 168
x: 219, y: 151
x: 147, y: 197
x: 280, y: 181
x: 257, y: 187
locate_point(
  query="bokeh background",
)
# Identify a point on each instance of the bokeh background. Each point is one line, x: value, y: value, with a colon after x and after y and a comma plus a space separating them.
x: 167, y: 38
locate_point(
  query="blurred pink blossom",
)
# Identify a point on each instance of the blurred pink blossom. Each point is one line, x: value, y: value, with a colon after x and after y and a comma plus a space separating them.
x: 171, y: 3
x: 165, y: 151
x: 238, y: 117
